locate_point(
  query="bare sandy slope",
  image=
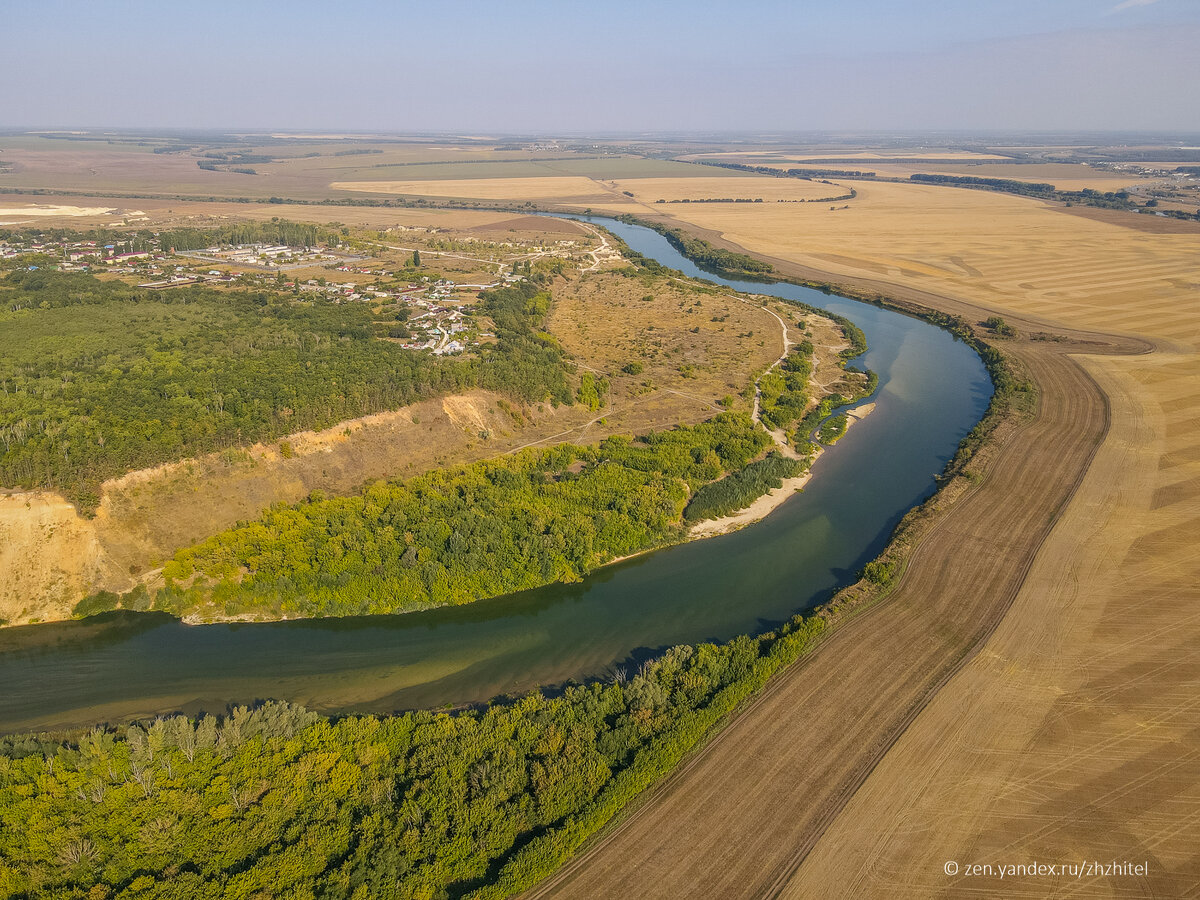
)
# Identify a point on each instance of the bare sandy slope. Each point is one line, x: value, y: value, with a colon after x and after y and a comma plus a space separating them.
x: 50, y: 556
x: 917, y: 735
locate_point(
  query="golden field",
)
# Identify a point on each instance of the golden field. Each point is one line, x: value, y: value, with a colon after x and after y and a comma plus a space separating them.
x: 1069, y: 731
x: 735, y: 187
x: 560, y: 188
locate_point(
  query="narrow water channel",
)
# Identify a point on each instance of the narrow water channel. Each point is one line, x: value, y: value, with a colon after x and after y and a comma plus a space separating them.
x: 932, y: 390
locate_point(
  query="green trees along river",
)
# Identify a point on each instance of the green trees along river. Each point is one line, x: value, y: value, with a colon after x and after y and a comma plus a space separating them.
x: 448, y: 537
x: 277, y: 802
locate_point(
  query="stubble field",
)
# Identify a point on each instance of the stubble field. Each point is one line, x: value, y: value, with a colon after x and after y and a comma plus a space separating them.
x: 1070, y: 732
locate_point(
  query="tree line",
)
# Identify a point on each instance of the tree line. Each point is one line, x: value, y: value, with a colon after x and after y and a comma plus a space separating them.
x: 740, y: 489
x: 275, y: 801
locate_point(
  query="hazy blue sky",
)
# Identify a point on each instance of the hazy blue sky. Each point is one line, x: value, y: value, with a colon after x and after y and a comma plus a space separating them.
x: 603, y: 65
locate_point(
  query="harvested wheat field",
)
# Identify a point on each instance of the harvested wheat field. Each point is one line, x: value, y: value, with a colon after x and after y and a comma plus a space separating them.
x: 734, y: 187
x: 561, y: 188
x: 1030, y: 690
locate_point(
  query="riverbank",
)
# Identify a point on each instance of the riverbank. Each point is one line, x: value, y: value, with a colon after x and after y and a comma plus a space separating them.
x: 772, y: 500
x: 765, y: 571
x: 908, y: 642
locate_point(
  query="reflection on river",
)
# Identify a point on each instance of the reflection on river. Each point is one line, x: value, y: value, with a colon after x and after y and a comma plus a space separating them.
x: 932, y: 390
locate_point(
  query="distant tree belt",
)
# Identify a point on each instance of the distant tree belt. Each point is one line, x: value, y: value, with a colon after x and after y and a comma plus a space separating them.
x: 451, y: 537
x: 788, y: 173
x: 1087, y: 197
x: 704, y: 254
x: 996, y: 184
x: 98, y: 378
x: 278, y: 802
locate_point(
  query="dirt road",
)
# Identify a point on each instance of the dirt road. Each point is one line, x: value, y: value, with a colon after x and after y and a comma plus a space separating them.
x: 1030, y: 690
x: 741, y: 816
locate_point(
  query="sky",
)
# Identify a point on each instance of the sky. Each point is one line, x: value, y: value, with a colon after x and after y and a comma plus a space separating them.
x: 602, y: 66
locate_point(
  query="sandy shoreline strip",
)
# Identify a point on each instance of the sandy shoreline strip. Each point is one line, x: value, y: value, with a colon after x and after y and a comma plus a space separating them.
x: 772, y: 500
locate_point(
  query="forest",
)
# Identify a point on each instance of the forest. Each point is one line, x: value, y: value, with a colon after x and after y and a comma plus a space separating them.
x: 459, y: 535
x: 740, y: 489
x: 98, y: 378
x: 275, y: 801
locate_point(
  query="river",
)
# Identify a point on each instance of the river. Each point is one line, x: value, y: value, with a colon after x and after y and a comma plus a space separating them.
x: 932, y: 390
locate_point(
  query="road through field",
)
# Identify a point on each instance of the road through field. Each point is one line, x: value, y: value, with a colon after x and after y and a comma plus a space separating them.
x: 741, y: 816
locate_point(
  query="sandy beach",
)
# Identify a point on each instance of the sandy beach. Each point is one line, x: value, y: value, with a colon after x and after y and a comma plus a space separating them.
x: 769, y: 502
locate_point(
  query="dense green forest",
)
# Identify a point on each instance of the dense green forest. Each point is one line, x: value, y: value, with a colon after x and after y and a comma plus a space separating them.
x: 276, y: 802
x: 98, y: 378
x: 740, y: 489
x: 455, y: 536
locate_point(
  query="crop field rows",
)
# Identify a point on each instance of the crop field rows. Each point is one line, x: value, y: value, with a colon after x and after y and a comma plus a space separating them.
x: 1071, y: 733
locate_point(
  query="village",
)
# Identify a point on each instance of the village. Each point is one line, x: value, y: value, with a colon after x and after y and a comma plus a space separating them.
x: 423, y: 311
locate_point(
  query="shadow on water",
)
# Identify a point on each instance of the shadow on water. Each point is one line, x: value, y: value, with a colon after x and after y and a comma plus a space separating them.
x: 932, y: 390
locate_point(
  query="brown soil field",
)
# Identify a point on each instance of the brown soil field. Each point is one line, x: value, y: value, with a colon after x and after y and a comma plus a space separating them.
x: 1029, y: 690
